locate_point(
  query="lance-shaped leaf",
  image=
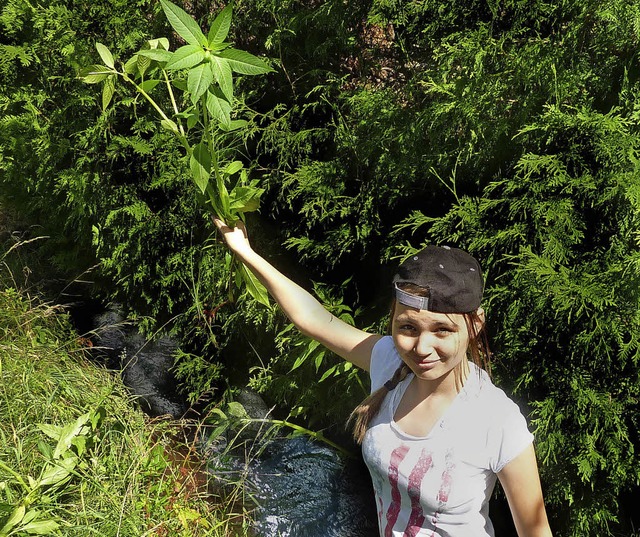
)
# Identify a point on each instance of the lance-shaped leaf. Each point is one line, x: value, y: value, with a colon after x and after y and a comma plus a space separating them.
x: 105, y: 54
x: 220, y: 27
x: 108, y: 90
x: 200, y: 164
x: 183, y: 23
x: 159, y: 42
x: 185, y: 57
x: 254, y: 287
x: 245, y: 199
x: 198, y: 81
x: 233, y: 167
x: 222, y: 73
x: 157, y: 54
x: 244, y: 63
x: 143, y: 64
x: 94, y: 74
x: 219, y: 109
x: 40, y: 527
x: 148, y: 85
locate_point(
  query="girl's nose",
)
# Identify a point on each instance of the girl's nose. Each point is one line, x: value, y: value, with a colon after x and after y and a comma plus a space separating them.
x: 424, y: 345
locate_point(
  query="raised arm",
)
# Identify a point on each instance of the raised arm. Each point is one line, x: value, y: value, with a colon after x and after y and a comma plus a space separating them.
x: 521, y: 484
x: 304, y: 311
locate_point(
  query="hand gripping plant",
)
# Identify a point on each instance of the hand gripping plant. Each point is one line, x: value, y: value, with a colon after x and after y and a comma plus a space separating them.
x: 206, y: 97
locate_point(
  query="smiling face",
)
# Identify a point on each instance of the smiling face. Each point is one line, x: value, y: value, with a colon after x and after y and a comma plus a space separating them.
x: 432, y: 344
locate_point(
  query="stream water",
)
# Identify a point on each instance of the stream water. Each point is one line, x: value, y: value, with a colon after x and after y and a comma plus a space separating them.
x: 302, y: 488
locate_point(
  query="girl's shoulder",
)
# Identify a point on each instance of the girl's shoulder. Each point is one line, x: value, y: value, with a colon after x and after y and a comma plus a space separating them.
x: 384, y: 362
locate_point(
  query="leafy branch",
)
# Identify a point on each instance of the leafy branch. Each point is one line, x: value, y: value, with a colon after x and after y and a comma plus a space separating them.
x: 201, y: 74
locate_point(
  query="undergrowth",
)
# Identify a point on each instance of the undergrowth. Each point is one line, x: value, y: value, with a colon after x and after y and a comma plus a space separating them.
x: 76, y: 457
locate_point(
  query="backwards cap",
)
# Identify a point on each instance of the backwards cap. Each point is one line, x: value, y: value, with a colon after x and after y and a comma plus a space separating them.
x: 451, y: 278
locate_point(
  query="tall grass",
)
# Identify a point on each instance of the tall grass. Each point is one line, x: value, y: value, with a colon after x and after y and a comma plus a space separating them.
x: 76, y: 457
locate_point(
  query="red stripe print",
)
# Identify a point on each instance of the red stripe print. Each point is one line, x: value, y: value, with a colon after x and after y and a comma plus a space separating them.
x: 397, y: 456
x: 415, y: 480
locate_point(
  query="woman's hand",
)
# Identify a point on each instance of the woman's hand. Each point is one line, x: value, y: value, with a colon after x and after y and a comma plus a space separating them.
x: 235, y: 237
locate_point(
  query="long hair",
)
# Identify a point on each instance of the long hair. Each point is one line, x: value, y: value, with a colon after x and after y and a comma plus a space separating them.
x: 477, y: 351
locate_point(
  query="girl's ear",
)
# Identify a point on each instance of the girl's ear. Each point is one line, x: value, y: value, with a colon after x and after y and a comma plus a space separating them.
x: 479, y: 322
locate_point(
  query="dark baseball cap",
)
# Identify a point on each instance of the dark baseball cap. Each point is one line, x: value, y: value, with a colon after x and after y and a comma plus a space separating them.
x: 451, y: 278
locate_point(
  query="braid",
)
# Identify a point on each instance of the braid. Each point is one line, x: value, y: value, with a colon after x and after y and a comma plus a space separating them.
x: 365, y: 411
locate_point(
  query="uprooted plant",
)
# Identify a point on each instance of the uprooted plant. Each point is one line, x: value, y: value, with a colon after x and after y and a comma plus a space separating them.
x: 198, y: 77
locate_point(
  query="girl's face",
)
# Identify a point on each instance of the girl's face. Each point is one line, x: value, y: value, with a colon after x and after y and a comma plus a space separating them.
x: 431, y: 344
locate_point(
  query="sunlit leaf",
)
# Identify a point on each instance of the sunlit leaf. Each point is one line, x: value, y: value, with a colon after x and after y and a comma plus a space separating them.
x: 14, y: 519
x: 254, y: 287
x: 233, y: 167
x: 185, y: 57
x: 198, y: 81
x: 94, y: 74
x: 244, y: 63
x: 245, y: 199
x: 131, y: 67
x: 219, y: 109
x: 234, y: 125
x: 221, y: 70
x: 143, y: 64
x: 170, y: 125
x: 105, y: 54
x: 108, y: 90
x: 58, y: 473
x: 158, y: 55
x: 183, y: 23
x: 160, y: 42
x: 41, y: 527
x: 148, y: 85
x: 200, y: 164
x: 220, y: 26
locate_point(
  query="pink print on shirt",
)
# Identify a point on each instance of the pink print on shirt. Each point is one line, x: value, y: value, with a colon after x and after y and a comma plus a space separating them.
x: 397, y: 456
x: 415, y: 479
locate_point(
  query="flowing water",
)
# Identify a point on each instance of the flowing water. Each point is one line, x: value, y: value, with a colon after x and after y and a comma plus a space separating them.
x: 302, y: 488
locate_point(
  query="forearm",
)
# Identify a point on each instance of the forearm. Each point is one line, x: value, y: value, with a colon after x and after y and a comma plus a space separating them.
x: 300, y: 306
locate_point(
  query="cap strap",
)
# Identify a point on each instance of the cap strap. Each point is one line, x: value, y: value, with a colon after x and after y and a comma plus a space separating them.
x: 412, y: 301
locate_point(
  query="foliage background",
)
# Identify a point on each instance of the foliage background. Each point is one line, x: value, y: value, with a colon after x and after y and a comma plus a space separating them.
x: 506, y: 127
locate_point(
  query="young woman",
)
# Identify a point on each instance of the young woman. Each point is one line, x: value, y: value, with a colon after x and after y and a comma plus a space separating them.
x: 435, y: 432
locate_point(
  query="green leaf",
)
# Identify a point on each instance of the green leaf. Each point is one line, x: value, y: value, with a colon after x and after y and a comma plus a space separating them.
x: 185, y: 57
x: 131, y: 67
x: 170, y: 125
x: 200, y: 164
x: 67, y: 433
x: 94, y: 74
x: 254, y: 287
x: 159, y: 42
x: 16, y: 517
x: 41, y: 527
x: 183, y: 23
x: 220, y: 26
x: 234, y: 125
x: 244, y: 63
x: 245, y: 199
x: 59, y: 472
x: 108, y: 90
x: 221, y: 70
x: 219, y: 109
x: 198, y: 81
x: 143, y: 64
x: 233, y: 167
x: 158, y: 55
x: 148, y: 85
x: 105, y: 54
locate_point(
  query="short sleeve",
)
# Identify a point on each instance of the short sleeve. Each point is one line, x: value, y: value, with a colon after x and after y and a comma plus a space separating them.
x: 509, y: 437
x: 384, y: 362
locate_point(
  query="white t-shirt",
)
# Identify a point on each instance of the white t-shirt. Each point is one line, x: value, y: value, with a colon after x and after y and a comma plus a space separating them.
x: 440, y: 485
